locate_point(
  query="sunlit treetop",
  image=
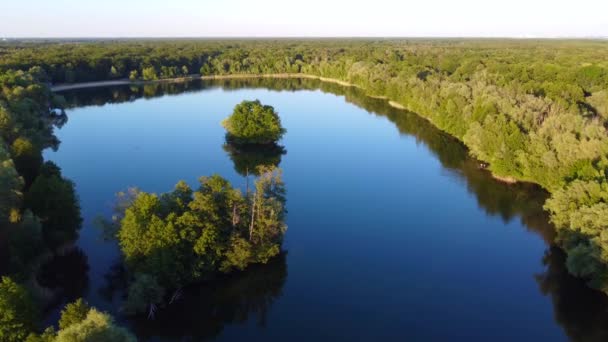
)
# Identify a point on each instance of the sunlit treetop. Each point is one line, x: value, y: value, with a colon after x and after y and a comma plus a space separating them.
x: 252, y: 122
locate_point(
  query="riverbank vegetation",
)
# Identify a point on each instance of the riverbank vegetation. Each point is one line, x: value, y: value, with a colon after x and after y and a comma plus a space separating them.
x: 39, y: 208
x: 20, y: 316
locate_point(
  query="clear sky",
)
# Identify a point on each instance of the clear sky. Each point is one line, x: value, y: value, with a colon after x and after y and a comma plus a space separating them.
x: 259, y: 18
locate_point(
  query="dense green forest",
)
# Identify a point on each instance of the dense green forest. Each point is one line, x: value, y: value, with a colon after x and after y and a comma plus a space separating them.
x: 534, y: 110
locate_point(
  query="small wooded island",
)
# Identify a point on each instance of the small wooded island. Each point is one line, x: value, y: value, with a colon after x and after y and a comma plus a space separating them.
x: 186, y: 236
x: 253, y: 123
x: 253, y: 132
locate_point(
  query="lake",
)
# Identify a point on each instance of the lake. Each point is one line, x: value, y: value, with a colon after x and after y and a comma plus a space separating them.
x: 394, y: 233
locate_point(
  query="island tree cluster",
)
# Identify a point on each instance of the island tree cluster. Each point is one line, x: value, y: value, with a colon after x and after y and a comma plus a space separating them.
x: 186, y: 236
x: 253, y: 132
x: 253, y: 123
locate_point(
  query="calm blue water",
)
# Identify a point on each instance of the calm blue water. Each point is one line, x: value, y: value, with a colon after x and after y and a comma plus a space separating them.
x: 394, y: 234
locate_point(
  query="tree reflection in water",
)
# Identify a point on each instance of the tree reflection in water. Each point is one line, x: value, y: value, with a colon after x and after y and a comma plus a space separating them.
x: 202, y: 311
x: 247, y: 158
x: 66, y: 274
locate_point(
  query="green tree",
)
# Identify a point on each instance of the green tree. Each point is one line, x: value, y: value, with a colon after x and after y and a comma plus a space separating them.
x: 74, y: 313
x: 27, y: 157
x: 7, y: 122
x: 53, y: 199
x: 25, y: 245
x: 11, y: 185
x: 48, y: 335
x: 144, y: 293
x: 81, y: 323
x: 253, y: 123
x: 267, y: 225
x: 17, y: 312
x: 149, y: 74
x: 114, y: 72
x: 96, y: 326
x: 134, y: 75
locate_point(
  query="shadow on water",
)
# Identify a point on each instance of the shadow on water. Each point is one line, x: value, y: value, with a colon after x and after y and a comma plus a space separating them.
x: 204, y: 310
x: 580, y: 311
x: 65, y: 278
x: 67, y: 273
x: 201, y: 311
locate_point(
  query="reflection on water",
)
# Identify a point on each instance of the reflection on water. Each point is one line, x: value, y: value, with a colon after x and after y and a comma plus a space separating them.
x: 204, y: 310
x: 581, y: 312
x: 200, y: 312
x: 248, y: 158
x: 66, y: 274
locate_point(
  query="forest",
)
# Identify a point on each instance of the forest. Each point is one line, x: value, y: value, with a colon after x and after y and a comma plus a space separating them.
x: 532, y: 110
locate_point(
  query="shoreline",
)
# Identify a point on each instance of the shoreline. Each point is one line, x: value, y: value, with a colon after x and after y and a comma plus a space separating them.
x: 504, y: 179
x: 125, y: 81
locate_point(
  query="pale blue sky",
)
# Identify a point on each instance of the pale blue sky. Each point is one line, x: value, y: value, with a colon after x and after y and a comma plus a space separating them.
x: 258, y: 18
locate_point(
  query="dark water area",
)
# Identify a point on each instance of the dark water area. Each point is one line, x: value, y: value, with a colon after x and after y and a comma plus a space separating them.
x: 394, y: 233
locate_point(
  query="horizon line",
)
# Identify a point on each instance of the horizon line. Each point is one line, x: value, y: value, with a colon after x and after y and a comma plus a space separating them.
x: 521, y: 37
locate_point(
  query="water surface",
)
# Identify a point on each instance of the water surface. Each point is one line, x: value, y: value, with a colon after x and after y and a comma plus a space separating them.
x: 394, y: 233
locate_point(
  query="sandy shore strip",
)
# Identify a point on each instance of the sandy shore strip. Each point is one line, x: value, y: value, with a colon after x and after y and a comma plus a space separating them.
x: 125, y: 81
x: 69, y: 86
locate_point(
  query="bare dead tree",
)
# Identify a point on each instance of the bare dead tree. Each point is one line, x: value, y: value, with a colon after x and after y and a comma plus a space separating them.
x: 176, y: 295
x: 252, y: 217
x: 152, y: 311
x: 247, y: 180
x: 235, y: 216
